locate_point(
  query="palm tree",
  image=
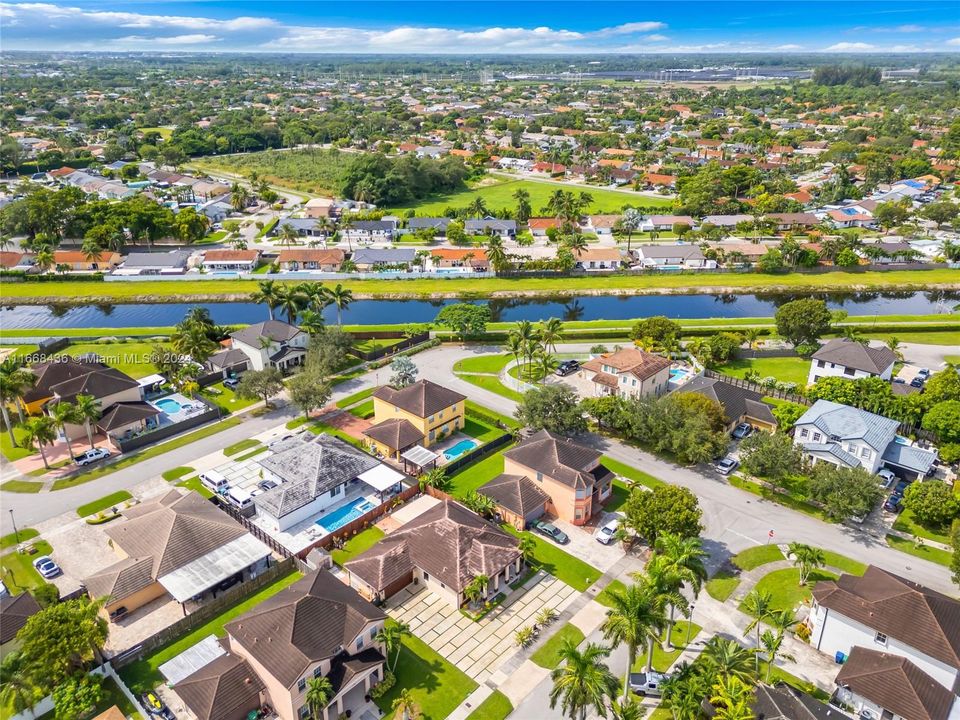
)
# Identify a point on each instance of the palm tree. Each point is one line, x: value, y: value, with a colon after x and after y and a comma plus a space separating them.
x: 268, y: 292
x: 583, y: 680
x: 239, y: 197
x: 682, y: 559
x: 497, y: 255
x: 635, y: 617
x: 90, y: 249
x: 728, y: 658
x: 759, y: 604
x: 14, y: 381
x: 19, y: 691
x: 40, y: 431
x: 523, y: 205
x: 436, y: 478
x: 288, y: 235
x: 527, y: 335
x: 514, y: 345
x: 476, y: 589
x: 391, y: 636
x: 527, y: 547
x: 311, y: 322
x: 88, y: 412
x: 318, y: 696
x: 664, y: 586
x: 806, y: 558
x: 63, y: 413
x: 190, y: 338
x: 630, y: 223
x: 405, y: 707
x: 291, y: 301
x: 752, y: 337
x: 629, y: 709
x: 551, y: 332
x: 341, y: 297
x: 44, y: 258
x: 771, y: 642
x: 895, y: 346
x: 577, y: 243
x: 477, y: 208
x: 543, y: 364
x: 732, y: 698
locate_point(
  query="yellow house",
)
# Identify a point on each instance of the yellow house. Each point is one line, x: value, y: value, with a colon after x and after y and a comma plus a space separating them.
x: 423, y: 412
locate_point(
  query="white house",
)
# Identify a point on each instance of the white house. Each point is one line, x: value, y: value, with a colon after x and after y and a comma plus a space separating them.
x: 850, y: 437
x: 272, y: 343
x: 666, y: 222
x: 629, y: 373
x: 677, y: 256
x: 851, y: 359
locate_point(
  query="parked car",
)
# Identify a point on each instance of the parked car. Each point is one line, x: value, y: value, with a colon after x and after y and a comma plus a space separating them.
x: 917, y: 382
x: 551, y: 531
x: 567, y: 367
x: 742, y: 431
x: 605, y: 533
x: 279, y: 440
x: 214, y: 481
x: 727, y: 465
x: 893, y: 504
x: 901, y: 487
x: 266, y: 485
x: 887, y: 476
x: 231, y: 383
x: 924, y: 373
x: 91, y: 456
x: 648, y: 683
x: 47, y: 567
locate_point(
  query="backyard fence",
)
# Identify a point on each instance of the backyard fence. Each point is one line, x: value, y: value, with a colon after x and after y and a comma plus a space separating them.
x: 204, y: 613
x: 211, y: 413
x: 251, y: 527
x: 354, y: 526
x: 478, y: 453
x: 390, y: 349
x: 765, y: 353
x: 761, y: 389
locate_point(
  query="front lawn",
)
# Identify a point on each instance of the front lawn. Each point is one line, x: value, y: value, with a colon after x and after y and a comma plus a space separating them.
x: 194, y: 484
x: 562, y: 565
x: 603, y: 597
x: 144, y: 674
x: 22, y: 535
x: 492, y: 364
x: 492, y: 384
x: 664, y: 659
x: 792, y: 500
x: 548, y: 655
x: 907, y: 523
x: 177, y: 473
x: 103, y: 503
x: 237, y: 447
x: 785, y: 589
x: 436, y: 685
x: 935, y: 555
x: 22, y: 486
x: 19, y: 574
x: 364, y: 410
x: 495, y: 707
x: 756, y: 556
x: 356, y: 397
x: 722, y: 585
x: 359, y: 543
x: 785, y: 369
x: 11, y: 451
x: 631, y: 473
x: 843, y: 563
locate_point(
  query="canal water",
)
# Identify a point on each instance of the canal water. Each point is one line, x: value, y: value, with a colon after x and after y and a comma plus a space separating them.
x: 587, y: 307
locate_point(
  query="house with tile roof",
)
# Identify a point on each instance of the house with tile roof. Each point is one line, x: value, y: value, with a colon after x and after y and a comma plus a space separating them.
x: 429, y: 409
x: 570, y: 474
x: 272, y: 343
x: 841, y: 357
x: 444, y: 549
x: 15, y: 610
x: 628, y: 372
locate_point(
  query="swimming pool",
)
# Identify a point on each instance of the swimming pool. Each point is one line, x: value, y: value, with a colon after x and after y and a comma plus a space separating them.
x: 168, y: 405
x: 342, y: 515
x: 677, y: 374
x: 455, y: 451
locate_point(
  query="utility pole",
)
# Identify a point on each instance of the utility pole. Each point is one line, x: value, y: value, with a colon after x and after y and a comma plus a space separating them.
x: 16, y: 533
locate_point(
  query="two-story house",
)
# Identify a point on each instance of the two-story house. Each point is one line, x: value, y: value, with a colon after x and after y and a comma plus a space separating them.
x: 629, y: 372
x: 850, y: 437
x: 317, y: 627
x: 899, y: 641
x: 570, y: 475
x: 850, y: 359
x: 423, y: 407
x: 272, y: 344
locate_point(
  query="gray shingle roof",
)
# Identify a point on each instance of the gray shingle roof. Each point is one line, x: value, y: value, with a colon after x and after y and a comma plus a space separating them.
x: 276, y: 330
x: 735, y: 401
x: 847, y: 423
x: 384, y: 256
x: 557, y: 457
x: 910, y: 457
x: 173, y: 259
x: 859, y: 356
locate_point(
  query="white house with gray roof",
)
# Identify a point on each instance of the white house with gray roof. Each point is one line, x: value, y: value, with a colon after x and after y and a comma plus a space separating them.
x: 850, y: 437
x: 688, y: 257
x: 272, y: 344
x: 850, y: 359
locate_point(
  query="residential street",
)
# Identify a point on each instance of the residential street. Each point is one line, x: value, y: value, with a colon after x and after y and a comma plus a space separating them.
x: 734, y: 519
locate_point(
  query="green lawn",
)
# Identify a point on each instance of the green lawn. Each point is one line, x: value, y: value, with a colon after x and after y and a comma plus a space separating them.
x: 562, y: 565
x: 128, y: 460
x: 945, y: 337
x: 778, y: 674
x: 437, y: 686
x: 548, y: 655
x: 317, y: 427
x: 365, y: 346
x: 906, y: 522
x: 238, y: 447
x: 493, y: 384
x: 843, y: 563
x: 11, y: 452
x: 177, y: 472
x: 363, y: 410
x: 18, y: 571
x: 791, y: 500
x: 480, y: 431
x: 483, y: 364
x: 356, y: 397
x: 22, y: 535
x: 722, y: 585
x: 132, y: 358
x: 756, y: 556
x: 935, y: 555
x: 476, y: 474
x: 603, y: 597
x: 481, y: 411
x: 360, y: 542
x: 787, y: 369
x: 495, y: 707
x: 785, y: 589
x: 663, y: 659
x: 226, y: 398
x: 194, y: 484
x: 84, y: 292
x: 631, y: 473
x: 144, y: 674
x: 500, y: 196
x: 22, y: 486
x: 103, y: 503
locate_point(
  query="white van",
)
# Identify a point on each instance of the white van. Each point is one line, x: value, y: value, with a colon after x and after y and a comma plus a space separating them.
x: 214, y: 481
x: 239, y: 498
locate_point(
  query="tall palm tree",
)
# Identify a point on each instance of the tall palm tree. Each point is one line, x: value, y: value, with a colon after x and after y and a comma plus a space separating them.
x: 405, y: 707
x: 90, y: 249
x: 341, y: 297
x: 732, y: 698
x: 543, y: 364
x: 477, y: 207
x: 392, y: 638
x: 88, y: 412
x: 895, y: 346
x: 291, y: 301
x: 318, y: 696
x: 311, y: 322
x: 514, y: 345
x: 288, y: 235
x: 268, y: 293
x: 728, y: 658
x: 63, y: 413
x: 40, y: 431
x: 19, y: 691
x: 528, y: 339
x: 582, y: 681
x: 628, y: 709
x: 14, y: 381
x: 806, y: 558
x: 771, y: 642
x: 635, y: 618
x: 681, y: 559
x: 527, y: 547
x: 664, y: 589
x: 239, y: 197
x: 497, y: 255
x: 551, y: 332
x: 523, y: 205
x: 752, y: 337
x: 759, y: 604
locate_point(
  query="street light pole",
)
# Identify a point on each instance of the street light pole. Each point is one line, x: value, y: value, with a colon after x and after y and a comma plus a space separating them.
x: 689, y: 627
x: 16, y: 533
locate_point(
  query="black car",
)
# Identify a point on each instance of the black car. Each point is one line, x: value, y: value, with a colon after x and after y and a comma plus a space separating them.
x: 742, y: 431
x: 917, y: 382
x: 567, y: 367
x: 552, y: 532
x: 893, y: 504
x: 266, y: 485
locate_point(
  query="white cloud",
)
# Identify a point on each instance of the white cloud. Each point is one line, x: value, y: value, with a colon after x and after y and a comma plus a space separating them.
x: 788, y: 47
x: 910, y: 28
x: 656, y: 38
x: 849, y: 47
x: 953, y: 42
x: 630, y: 28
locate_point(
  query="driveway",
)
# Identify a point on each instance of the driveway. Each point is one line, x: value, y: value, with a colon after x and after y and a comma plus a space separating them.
x: 478, y: 648
x: 585, y: 546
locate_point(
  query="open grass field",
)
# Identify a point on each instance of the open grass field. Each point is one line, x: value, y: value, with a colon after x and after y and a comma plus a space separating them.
x: 499, y: 195
x: 197, y: 290
x: 786, y: 369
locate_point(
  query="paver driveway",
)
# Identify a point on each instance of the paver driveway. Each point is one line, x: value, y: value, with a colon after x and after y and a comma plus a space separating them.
x: 478, y: 648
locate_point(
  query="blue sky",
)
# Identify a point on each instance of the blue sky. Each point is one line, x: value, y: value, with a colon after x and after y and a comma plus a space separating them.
x: 587, y: 26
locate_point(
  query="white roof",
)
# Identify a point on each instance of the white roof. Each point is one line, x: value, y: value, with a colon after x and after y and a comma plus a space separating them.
x: 381, y: 477
x: 191, y: 660
x: 205, y: 572
x: 419, y: 456
x: 151, y: 380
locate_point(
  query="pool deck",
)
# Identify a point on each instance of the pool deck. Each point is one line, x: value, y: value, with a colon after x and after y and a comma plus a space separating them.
x: 371, y: 499
x: 441, y: 447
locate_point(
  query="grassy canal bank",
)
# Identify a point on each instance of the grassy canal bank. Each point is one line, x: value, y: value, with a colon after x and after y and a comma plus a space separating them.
x: 82, y: 293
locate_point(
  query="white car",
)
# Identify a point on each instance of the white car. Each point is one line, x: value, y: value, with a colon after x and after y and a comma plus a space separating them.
x: 605, y: 533
x: 888, y: 477
x: 91, y: 456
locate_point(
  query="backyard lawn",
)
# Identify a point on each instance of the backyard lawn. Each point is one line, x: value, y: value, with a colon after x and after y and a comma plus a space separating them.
x: 548, y: 655
x: 18, y: 571
x: 480, y: 431
x: 144, y: 674
x: 132, y: 358
x: 360, y: 542
x: 495, y: 707
x: 787, y: 369
x: 226, y: 398
x: 562, y: 565
x: 473, y: 476
x: 436, y: 686
x: 785, y: 589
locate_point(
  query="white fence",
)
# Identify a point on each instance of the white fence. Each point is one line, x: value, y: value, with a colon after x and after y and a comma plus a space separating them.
x: 46, y: 704
x: 300, y: 275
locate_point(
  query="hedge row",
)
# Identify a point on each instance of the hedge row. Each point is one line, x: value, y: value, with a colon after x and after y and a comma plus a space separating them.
x: 47, y: 277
